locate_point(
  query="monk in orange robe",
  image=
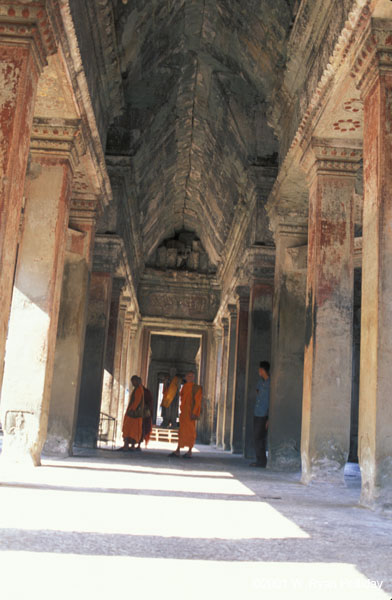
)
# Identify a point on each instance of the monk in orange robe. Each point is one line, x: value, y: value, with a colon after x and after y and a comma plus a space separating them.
x: 133, y: 419
x: 191, y: 396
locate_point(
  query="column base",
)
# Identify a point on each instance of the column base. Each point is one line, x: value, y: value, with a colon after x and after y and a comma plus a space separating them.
x: 322, y: 470
x: 376, y: 489
x: 58, y: 446
x: 285, y: 457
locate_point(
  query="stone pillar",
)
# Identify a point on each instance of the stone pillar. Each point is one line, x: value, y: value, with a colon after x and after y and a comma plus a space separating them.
x: 216, y: 392
x: 259, y: 344
x: 223, y: 384
x: 241, y: 360
x: 228, y: 410
x: 325, y: 437
x: 118, y: 398
x: 32, y: 329
x: 130, y: 357
x: 71, y: 329
x: 113, y: 346
x: 373, y: 70
x: 25, y: 42
x: 93, y: 359
x: 288, y: 342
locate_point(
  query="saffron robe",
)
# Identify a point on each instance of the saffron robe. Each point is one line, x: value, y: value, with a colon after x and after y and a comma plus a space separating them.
x: 133, y: 425
x: 191, y: 397
x: 170, y: 392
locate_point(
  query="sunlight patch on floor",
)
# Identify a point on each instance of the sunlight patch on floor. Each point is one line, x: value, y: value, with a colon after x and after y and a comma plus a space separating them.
x: 110, y: 513
x: 65, y: 576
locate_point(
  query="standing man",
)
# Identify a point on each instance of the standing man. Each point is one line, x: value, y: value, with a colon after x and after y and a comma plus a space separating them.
x: 191, y: 396
x: 260, y: 419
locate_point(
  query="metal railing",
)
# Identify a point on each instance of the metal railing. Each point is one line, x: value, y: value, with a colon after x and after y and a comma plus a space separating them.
x: 107, y: 431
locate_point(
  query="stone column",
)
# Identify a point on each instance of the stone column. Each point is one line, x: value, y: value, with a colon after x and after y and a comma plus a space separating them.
x: 228, y: 410
x: 93, y: 359
x: 25, y: 42
x: 130, y: 369
x: 32, y: 329
x: 239, y: 399
x: 373, y: 70
x: 113, y: 346
x: 216, y: 392
x: 71, y: 329
x: 288, y: 342
x: 259, y: 344
x: 325, y: 437
x: 118, y: 398
x: 223, y: 384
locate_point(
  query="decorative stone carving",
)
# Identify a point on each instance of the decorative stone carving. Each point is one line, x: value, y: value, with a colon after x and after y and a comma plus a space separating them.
x: 184, y: 252
x: 61, y: 138
x: 29, y: 22
x: 180, y: 305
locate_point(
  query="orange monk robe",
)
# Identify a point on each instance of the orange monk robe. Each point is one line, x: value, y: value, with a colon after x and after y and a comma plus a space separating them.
x: 133, y: 426
x: 187, y: 432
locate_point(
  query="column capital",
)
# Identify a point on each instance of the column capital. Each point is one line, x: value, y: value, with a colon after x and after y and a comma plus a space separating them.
x: 374, y: 55
x: 118, y: 286
x: 243, y: 295
x: 84, y: 210
x: 232, y: 310
x: 216, y: 329
x: 290, y: 228
x: 107, y: 254
x: 258, y: 265
x: 331, y: 156
x: 28, y: 24
x: 225, y: 325
x: 60, y: 138
x: 133, y: 329
x: 129, y: 316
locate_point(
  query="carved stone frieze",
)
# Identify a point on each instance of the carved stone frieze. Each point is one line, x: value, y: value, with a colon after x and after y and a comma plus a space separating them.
x: 185, y: 304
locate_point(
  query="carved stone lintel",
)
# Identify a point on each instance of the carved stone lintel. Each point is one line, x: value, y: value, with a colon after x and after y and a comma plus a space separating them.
x: 28, y: 24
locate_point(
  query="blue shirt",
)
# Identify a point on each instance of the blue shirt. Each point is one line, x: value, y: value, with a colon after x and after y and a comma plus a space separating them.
x: 262, y: 398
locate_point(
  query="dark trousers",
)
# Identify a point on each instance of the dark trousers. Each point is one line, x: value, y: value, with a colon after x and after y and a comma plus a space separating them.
x: 260, y: 439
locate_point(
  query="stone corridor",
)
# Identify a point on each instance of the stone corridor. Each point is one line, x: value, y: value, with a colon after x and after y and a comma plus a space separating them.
x: 109, y: 525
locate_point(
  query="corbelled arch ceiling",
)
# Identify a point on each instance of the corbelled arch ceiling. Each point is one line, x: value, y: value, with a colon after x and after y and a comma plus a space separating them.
x: 197, y: 75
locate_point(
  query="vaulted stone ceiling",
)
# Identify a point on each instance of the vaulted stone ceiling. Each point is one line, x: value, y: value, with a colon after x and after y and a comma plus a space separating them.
x: 197, y: 75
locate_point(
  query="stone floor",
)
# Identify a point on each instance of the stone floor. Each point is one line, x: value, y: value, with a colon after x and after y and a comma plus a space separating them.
x: 109, y: 525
